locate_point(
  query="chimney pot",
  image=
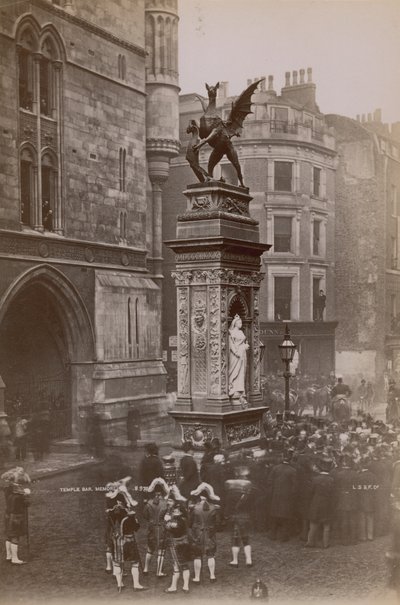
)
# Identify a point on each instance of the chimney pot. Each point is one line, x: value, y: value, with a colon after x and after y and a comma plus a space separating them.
x: 302, y: 72
x: 262, y: 85
x: 295, y: 78
x: 363, y: 118
x: 287, y: 78
x: 369, y: 117
x: 249, y: 81
x: 270, y: 82
x: 309, y: 74
x: 358, y: 117
x: 378, y: 115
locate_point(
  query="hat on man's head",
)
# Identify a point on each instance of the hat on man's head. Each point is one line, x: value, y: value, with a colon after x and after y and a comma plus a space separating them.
x: 175, y: 494
x: 158, y: 485
x: 206, y: 490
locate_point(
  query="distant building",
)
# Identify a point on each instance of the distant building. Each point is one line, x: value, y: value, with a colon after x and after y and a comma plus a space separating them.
x: 89, y: 122
x: 367, y: 244
x: 288, y: 158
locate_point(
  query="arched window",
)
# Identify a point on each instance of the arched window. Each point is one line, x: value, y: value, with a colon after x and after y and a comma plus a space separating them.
x: 49, y: 191
x: 123, y: 67
x: 122, y: 168
x: 26, y: 47
x: 47, y: 100
x: 27, y: 187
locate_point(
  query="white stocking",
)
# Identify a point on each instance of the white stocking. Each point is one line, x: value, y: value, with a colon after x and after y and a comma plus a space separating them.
x: 8, y: 550
x: 174, y: 582
x: 109, y: 561
x: 235, y: 555
x: 147, y: 562
x: 186, y: 576
x: 135, y: 576
x: 247, y: 554
x: 211, y: 567
x: 197, y: 570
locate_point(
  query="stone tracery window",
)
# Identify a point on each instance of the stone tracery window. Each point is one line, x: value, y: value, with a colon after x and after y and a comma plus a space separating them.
x: 39, y: 55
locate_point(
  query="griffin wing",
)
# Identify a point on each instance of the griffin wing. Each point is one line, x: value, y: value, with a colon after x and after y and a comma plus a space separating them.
x: 241, y: 107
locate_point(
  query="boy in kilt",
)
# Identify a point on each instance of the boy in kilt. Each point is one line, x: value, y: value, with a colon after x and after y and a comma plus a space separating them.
x: 154, y: 511
x: 203, y: 522
x: 16, y: 513
x: 238, y: 509
x: 177, y: 539
x: 122, y: 525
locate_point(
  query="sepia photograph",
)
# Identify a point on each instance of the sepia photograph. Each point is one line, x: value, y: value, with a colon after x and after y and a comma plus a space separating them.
x: 199, y: 301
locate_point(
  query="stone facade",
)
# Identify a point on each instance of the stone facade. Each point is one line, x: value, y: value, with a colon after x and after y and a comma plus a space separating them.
x: 367, y: 242
x: 295, y: 210
x: 89, y: 122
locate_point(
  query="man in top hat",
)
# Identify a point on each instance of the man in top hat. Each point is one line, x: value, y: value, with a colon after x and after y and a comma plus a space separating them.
x: 238, y: 507
x: 367, y: 486
x: 176, y: 526
x: 188, y: 471
x: 203, y: 522
x: 283, y: 485
x: 321, y: 503
x: 16, y: 514
x: 150, y: 466
x: 122, y: 527
x: 154, y: 511
x: 345, y: 478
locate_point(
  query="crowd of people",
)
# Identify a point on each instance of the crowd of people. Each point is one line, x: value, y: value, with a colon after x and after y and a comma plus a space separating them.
x: 310, y: 479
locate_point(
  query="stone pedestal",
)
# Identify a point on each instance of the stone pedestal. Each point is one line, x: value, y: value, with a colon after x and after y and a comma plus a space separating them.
x: 217, y: 276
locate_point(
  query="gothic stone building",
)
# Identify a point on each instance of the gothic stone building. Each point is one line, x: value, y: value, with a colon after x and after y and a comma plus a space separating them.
x: 89, y: 123
x: 288, y: 158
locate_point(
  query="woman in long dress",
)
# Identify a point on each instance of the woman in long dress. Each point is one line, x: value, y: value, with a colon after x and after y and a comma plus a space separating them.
x: 238, y: 347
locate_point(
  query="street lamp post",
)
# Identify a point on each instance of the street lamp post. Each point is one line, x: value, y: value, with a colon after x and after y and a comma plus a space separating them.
x: 287, y: 349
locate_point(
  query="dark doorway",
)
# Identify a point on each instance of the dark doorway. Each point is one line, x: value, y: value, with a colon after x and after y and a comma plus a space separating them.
x: 34, y: 360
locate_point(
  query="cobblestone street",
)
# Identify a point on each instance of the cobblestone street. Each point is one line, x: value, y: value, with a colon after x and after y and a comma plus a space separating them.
x: 66, y: 560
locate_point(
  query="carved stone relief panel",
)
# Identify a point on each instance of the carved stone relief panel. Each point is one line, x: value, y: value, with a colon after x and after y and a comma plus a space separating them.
x: 241, y: 432
x: 183, y: 341
x: 199, y: 340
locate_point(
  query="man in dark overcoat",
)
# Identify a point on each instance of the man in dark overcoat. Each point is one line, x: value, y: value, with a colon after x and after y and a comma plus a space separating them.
x: 151, y: 466
x: 283, y: 484
x: 320, y: 512
x: 189, y: 472
x: 367, y: 486
x: 345, y: 478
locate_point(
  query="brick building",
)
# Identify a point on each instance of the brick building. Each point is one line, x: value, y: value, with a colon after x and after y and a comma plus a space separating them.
x: 89, y: 123
x: 288, y: 159
x: 367, y: 242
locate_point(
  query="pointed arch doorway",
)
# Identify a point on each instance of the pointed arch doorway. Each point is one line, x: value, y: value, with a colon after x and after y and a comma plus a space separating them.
x: 45, y: 333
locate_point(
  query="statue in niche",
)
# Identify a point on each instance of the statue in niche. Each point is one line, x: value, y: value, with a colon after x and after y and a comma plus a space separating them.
x: 238, y: 347
x: 218, y: 132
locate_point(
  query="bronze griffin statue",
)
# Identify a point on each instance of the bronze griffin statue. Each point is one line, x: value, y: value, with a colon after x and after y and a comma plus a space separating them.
x: 218, y: 132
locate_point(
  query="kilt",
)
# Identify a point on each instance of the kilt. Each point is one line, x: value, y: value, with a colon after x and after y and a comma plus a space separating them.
x: 181, y: 552
x: 124, y: 549
x: 15, y: 525
x: 203, y: 543
x: 241, y: 527
x: 155, y: 538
